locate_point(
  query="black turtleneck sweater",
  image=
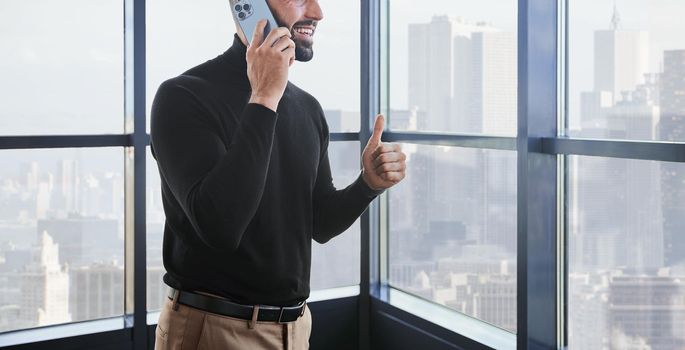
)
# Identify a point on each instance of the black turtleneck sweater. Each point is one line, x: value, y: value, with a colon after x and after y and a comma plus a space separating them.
x: 245, y: 189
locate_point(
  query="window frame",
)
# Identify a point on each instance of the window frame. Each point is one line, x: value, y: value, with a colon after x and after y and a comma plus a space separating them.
x: 541, y: 209
x: 135, y: 326
x: 541, y: 151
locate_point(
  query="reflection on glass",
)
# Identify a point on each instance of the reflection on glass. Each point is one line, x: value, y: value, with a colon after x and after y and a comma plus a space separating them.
x: 62, y: 67
x: 182, y: 34
x: 61, y: 236
x: 626, y: 284
x: 453, y: 66
x: 627, y: 70
x: 452, y: 231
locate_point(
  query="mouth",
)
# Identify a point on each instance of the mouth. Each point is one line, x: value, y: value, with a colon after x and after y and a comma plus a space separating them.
x: 304, y: 31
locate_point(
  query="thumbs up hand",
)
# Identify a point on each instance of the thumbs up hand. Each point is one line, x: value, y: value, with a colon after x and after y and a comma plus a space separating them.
x: 383, y: 164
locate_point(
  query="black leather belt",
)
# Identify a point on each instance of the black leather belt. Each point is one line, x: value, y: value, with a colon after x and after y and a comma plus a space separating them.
x: 227, y: 308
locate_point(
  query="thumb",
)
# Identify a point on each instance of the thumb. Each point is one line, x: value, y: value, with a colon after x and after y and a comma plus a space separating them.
x: 377, y: 130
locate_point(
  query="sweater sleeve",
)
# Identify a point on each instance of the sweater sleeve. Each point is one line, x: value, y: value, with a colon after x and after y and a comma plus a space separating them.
x: 218, y: 186
x: 336, y: 210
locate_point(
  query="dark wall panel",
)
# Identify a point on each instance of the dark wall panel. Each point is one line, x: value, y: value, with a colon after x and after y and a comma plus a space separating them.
x: 395, y: 329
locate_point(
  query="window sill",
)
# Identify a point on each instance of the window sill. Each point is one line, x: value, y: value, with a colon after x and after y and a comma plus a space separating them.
x: 66, y: 330
x: 451, y: 320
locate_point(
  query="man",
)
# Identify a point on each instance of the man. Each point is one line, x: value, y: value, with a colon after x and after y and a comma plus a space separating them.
x: 246, y: 185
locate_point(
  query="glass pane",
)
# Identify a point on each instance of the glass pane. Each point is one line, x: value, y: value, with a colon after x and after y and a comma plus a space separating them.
x: 183, y: 34
x: 626, y: 70
x: 180, y: 35
x: 453, y: 66
x: 62, y: 67
x: 332, y: 76
x: 626, y: 286
x: 61, y: 236
x: 452, y: 231
x: 156, y: 289
x: 336, y: 263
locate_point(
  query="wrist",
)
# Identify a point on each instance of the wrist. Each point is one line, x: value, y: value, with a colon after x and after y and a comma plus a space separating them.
x: 366, y: 188
x: 367, y: 182
x: 270, y: 103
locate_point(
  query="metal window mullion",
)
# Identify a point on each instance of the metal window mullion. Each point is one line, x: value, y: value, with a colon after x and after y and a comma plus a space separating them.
x: 135, y: 233
x: 344, y: 136
x: 64, y: 141
x: 629, y: 149
x: 537, y: 316
x: 370, y: 104
x: 453, y: 140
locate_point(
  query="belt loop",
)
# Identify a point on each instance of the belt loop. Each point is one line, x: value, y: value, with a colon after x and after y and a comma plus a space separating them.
x: 255, y: 313
x: 177, y: 293
x: 303, y: 307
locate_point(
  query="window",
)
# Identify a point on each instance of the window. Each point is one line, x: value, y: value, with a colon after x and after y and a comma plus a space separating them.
x: 336, y: 263
x: 451, y: 232
x: 332, y: 76
x: 154, y: 212
x: 626, y: 272
x: 453, y: 66
x: 61, y: 236
x: 173, y: 29
x: 626, y: 70
x: 626, y: 253
x: 39, y: 58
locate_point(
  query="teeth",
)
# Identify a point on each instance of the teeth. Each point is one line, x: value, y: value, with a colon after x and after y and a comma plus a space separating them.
x: 306, y: 31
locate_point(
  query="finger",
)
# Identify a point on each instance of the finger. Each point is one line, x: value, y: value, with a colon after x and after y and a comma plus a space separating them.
x: 395, y: 176
x: 390, y: 167
x: 276, y: 34
x: 258, y: 35
x: 283, y: 44
x: 289, y: 54
x: 377, y: 129
x: 382, y: 148
x: 388, y: 157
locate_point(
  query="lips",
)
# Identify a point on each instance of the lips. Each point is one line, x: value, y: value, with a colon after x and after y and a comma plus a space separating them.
x: 304, y: 30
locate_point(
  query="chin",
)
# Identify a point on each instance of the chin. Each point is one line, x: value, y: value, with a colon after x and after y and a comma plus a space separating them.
x: 303, y: 54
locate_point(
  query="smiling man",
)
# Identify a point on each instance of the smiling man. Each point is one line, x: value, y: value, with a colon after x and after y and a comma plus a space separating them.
x: 246, y: 185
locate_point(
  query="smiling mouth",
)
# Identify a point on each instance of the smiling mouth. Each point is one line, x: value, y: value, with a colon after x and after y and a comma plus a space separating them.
x: 307, y: 31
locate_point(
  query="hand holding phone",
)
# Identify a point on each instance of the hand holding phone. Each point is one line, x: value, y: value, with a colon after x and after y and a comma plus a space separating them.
x: 268, y: 59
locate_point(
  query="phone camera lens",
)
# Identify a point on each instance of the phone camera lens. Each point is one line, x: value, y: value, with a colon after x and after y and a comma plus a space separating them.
x: 246, y: 7
x: 241, y: 15
x: 238, y: 8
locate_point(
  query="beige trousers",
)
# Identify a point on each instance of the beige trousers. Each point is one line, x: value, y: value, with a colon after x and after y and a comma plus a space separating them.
x: 191, y: 328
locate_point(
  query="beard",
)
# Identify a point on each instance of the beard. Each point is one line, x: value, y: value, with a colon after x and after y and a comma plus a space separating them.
x: 303, y: 50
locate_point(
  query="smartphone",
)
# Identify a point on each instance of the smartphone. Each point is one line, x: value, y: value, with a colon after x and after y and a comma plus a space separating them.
x: 248, y: 12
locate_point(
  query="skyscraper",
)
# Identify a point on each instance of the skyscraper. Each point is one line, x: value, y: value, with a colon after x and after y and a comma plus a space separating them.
x: 672, y: 128
x: 452, y: 61
x: 621, y: 58
x: 96, y: 291
x: 485, y: 82
x: 621, y: 65
x: 45, y: 287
